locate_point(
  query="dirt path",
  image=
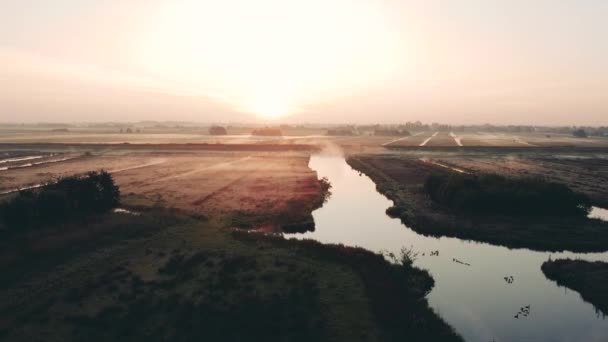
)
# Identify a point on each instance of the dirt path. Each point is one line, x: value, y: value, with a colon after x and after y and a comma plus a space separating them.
x: 400, y: 139
x: 523, y: 142
x: 157, y: 161
x: 428, y: 139
x: 430, y: 161
x: 456, y: 139
x: 10, y: 160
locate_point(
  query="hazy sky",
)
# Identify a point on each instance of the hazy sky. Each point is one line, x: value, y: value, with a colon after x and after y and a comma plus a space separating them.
x: 460, y: 61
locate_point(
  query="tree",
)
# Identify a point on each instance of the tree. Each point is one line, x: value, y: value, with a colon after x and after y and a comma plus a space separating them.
x: 580, y: 133
x: 217, y: 130
x: 69, y: 197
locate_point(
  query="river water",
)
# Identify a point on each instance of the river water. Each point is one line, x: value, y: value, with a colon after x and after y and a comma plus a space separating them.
x: 476, y: 299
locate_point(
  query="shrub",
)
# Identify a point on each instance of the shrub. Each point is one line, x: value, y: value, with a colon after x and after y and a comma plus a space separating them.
x: 494, y: 194
x: 218, y: 130
x: 68, y: 197
x: 395, y: 211
x: 325, y: 188
x: 579, y: 133
x: 406, y: 257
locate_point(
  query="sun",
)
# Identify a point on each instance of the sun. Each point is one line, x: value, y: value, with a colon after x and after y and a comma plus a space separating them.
x: 269, y: 106
x: 265, y: 57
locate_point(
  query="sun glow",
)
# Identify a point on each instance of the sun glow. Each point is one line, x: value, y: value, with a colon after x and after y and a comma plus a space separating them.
x: 270, y: 57
x: 269, y: 107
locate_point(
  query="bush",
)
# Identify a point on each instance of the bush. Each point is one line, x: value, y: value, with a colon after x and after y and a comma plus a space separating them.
x: 395, y: 211
x: 325, y: 186
x: 494, y: 194
x: 218, y: 130
x: 579, y: 133
x: 406, y: 257
x: 69, y: 197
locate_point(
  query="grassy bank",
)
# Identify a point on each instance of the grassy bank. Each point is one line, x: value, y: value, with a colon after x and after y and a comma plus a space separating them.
x: 197, y: 280
x: 585, y: 277
x: 402, y: 180
x: 171, y: 275
x: 295, y: 215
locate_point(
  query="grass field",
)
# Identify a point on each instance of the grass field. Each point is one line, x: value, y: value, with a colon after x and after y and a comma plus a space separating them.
x: 176, y: 258
x: 205, y: 281
x: 295, y: 135
x: 586, y: 173
x: 492, y: 139
x: 207, y: 182
x: 117, y: 276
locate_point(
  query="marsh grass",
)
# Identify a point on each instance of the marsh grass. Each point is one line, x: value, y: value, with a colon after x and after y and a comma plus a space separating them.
x: 294, y: 217
x: 587, y: 278
x: 189, y: 280
x: 491, y: 194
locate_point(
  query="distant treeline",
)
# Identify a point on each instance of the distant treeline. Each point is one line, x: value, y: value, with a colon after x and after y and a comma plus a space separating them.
x: 268, y: 131
x: 411, y: 126
x: 417, y: 126
x: 341, y: 132
x: 391, y: 132
x: 494, y: 194
x: 69, y: 197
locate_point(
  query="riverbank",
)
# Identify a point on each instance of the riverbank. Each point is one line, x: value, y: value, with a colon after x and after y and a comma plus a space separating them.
x: 202, y: 280
x: 585, y: 277
x: 401, y: 178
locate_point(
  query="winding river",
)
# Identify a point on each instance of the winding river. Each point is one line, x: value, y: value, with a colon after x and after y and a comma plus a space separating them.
x: 480, y: 300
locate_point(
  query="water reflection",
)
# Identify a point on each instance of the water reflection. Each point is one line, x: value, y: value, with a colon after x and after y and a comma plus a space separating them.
x: 475, y: 299
x: 599, y: 213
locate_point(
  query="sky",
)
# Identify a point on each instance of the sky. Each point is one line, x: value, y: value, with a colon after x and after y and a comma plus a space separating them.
x: 541, y: 62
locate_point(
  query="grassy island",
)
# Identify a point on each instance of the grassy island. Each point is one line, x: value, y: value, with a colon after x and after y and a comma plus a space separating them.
x: 590, y: 279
